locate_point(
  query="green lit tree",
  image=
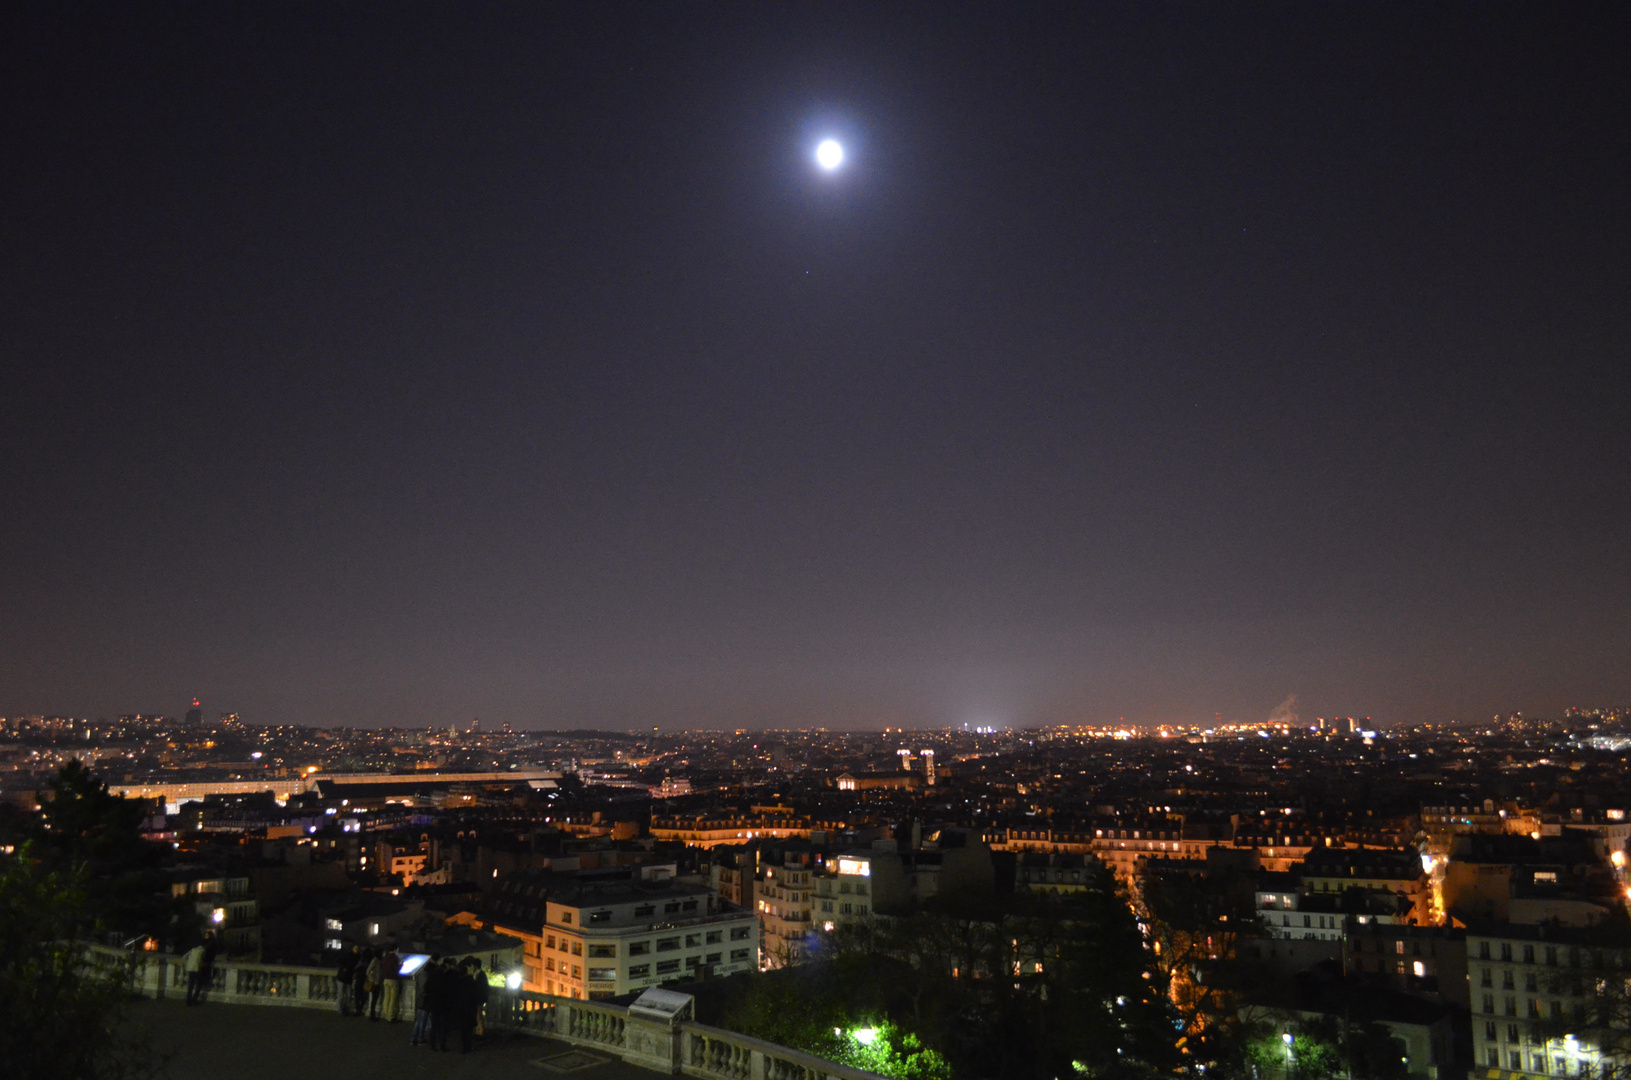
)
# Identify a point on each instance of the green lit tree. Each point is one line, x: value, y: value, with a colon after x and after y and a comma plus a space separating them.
x: 832, y: 1014
x: 1022, y: 986
x: 1319, y: 1048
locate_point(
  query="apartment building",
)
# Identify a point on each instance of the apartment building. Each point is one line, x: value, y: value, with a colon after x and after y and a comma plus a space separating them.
x: 784, y: 895
x: 1525, y: 982
x: 844, y: 891
x: 1419, y: 960
x: 1397, y: 875
x: 602, y: 940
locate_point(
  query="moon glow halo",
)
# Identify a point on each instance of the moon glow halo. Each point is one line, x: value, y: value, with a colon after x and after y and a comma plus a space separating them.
x: 829, y: 154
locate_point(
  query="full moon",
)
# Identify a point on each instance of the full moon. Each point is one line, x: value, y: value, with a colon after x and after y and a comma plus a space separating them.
x: 829, y: 155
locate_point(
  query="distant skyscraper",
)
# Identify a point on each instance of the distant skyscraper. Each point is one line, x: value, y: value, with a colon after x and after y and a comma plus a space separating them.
x: 928, y: 766
x: 195, y: 715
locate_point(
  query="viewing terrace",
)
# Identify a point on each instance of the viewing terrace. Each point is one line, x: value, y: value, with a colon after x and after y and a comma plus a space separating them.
x: 270, y: 1022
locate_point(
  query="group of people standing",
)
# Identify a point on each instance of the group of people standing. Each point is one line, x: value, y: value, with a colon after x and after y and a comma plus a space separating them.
x: 370, y: 980
x: 448, y: 996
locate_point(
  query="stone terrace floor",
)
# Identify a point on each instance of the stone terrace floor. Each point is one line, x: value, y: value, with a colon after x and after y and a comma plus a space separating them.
x: 250, y: 1042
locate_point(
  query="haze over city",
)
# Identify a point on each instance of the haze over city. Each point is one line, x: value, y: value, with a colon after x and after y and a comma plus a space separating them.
x: 397, y: 366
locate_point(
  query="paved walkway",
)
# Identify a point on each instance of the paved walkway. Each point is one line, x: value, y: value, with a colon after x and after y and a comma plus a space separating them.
x: 252, y: 1042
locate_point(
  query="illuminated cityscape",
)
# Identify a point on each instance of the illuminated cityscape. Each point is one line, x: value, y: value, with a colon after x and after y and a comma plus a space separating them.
x: 815, y: 541
x: 597, y: 865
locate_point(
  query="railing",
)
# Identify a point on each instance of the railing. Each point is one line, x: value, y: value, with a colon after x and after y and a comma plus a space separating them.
x: 714, y: 1053
x: 682, y: 1047
x: 160, y: 975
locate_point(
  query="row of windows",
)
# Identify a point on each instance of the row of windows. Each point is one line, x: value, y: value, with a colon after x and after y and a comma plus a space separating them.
x: 1531, y: 982
x: 644, y: 911
x: 1550, y: 953
x: 637, y: 971
x: 1513, y: 1033
x: 1537, y: 1064
x: 1398, y: 947
x: 1532, y: 1008
x: 844, y: 909
x: 669, y: 967
x: 567, y: 945
x: 607, y: 950
x: 1326, y: 922
x: 1417, y: 968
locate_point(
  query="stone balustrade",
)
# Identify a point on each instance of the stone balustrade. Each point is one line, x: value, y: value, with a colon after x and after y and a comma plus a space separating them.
x: 715, y: 1053
x: 682, y: 1048
x: 158, y: 975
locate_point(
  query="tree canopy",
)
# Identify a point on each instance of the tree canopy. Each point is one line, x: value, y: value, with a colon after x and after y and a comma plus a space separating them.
x: 65, y: 1015
x: 95, y: 838
x: 1023, y: 985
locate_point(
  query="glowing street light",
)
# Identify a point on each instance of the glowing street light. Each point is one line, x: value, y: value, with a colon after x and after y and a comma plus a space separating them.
x: 865, y: 1036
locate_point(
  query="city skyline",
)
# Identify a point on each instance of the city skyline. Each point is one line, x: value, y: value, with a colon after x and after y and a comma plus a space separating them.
x: 408, y: 364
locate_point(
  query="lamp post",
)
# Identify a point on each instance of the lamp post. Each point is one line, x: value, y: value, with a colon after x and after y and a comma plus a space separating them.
x: 1286, y: 1038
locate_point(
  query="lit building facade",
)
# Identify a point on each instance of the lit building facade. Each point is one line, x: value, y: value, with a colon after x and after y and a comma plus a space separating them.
x: 604, y: 940
x: 843, y: 894
x: 785, y: 899
x: 1524, y: 979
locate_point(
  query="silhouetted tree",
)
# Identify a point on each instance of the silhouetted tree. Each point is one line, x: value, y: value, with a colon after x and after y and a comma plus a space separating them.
x: 1597, y: 980
x: 1196, y: 923
x: 83, y: 821
x: 64, y: 1013
x: 94, y: 838
x: 1024, y: 985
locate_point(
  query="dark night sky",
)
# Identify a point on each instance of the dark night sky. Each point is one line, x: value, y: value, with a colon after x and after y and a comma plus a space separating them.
x: 407, y: 364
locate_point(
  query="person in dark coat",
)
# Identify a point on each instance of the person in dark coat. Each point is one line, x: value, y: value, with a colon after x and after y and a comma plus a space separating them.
x: 206, y: 968
x: 345, y: 973
x: 359, y: 981
x: 472, y: 995
x: 421, y: 1000
x: 440, y: 989
x: 374, y: 983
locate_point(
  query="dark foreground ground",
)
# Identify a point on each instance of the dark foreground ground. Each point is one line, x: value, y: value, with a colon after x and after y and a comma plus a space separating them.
x: 248, y: 1042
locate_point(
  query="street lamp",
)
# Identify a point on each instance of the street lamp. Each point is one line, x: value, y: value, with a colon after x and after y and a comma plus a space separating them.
x: 1286, y: 1038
